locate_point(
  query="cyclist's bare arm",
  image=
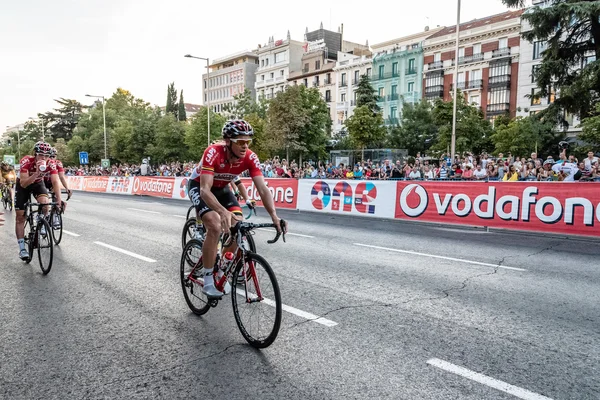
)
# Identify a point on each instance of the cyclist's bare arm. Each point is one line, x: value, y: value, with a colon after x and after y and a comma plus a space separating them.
x: 63, y: 180
x: 267, y: 199
x: 243, y: 191
x: 27, y: 179
x: 56, y: 187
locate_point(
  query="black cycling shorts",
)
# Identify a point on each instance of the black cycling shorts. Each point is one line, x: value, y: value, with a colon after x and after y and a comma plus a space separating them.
x: 224, y: 196
x: 22, y: 195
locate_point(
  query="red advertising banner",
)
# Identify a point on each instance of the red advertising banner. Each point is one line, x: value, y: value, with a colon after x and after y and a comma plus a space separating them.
x: 283, y: 191
x: 95, y: 184
x: 149, y: 186
x: 569, y: 208
x: 75, y: 182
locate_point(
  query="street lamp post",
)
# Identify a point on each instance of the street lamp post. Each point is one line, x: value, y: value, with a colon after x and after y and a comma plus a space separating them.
x: 207, y: 91
x: 104, y: 118
x: 455, y: 80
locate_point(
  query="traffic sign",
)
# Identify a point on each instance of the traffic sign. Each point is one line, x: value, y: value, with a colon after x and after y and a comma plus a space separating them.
x: 9, y: 159
x: 83, y: 158
x: 105, y: 163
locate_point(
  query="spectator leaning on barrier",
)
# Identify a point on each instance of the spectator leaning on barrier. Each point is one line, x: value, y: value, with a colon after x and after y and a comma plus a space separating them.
x: 480, y: 173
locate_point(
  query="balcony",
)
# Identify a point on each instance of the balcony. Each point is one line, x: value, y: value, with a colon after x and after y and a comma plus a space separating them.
x: 496, y: 109
x: 343, y: 84
x: 380, y: 99
x: 470, y: 59
x: 435, y: 65
x: 279, y: 78
x: 410, y: 97
x: 392, y: 97
x: 392, y: 121
x: 410, y: 71
x: 342, y: 105
x: 459, y: 85
x: 270, y: 80
x: 327, y: 99
x: 327, y: 81
x: 355, y: 82
x: 315, y: 83
x: 434, y: 91
x: 258, y: 84
x: 386, y: 75
x: 475, y: 84
x: 499, y: 81
x: 504, y: 52
x: 352, y: 103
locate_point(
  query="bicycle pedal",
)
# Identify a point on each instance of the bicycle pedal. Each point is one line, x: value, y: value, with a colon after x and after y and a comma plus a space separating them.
x: 213, y: 302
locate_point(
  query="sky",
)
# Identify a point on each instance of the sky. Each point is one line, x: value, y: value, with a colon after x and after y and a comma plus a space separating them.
x: 69, y: 48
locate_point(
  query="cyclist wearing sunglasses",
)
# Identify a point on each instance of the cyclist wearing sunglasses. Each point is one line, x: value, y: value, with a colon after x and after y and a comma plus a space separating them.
x: 219, y: 209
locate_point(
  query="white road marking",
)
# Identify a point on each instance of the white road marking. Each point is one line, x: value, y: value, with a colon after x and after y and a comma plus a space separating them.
x: 486, y: 380
x: 179, y: 216
x: 295, y: 311
x: 129, y: 253
x: 289, y: 233
x: 440, y: 257
x: 146, y: 211
x: 70, y: 233
x: 76, y: 201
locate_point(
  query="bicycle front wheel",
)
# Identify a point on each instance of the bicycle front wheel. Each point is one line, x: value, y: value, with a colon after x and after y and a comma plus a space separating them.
x: 256, y: 301
x: 45, y: 245
x: 57, y: 225
x: 192, y: 230
x: 191, y: 262
x: 189, y: 212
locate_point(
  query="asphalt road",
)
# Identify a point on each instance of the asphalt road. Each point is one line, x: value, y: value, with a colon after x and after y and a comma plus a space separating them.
x: 411, y: 312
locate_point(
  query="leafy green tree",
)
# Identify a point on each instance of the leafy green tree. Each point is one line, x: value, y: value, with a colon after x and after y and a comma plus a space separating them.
x: 259, y: 145
x: 472, y: 130
x: 591, y: 132
x: 171, y: 106
x: 196, y: 137
x: 297, y: 119
x: 61, y: 122
x: 365, y: 127
x: 181, y: 115
x: 169, y: 143
x: 417, y: 132
x: 74, y: 146
x: 366, y: 95
x: 521, y: 136
x: 571, y: 30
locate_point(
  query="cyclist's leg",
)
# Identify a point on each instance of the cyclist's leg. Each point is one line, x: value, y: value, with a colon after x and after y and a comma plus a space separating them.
x: 194, y: 195
x: 230, y: 202
x: 22, y: 196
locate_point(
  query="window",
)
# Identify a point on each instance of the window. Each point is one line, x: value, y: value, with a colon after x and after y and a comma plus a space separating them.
x: 282, y: 73
x: 262, y: 77
x: 318, y: 64
x: 538, y: 48
x: 551, y: 95
x: 410, y: 87
x: 381, y: 92
x: 411, y: 65
x: 279, y: 57
x: 461, y: 78
x: 534, y: 71
x: 316, y: 80
x: 305, y: 82
x: 381, y: 71
x: 534, y: 101
x: 499, y: 96
x: 587, y: 60
x: 475, y: 100
x: 267, y: 62
x: 328, y: 79
x: 434, y: 80
x: 262, y: 63
x: 394, y: 89
x: 461, y: 52
x: 343, y: 97
x: 344, y: 79
x: 475, y: 75
x: 369, y: 72
x: 395, y: 69
x: 328, y: 96
x: 499, y: 69
x: 477, y: 48
x: 305, y: 68
x: 356, y: 76
x: 393, y: 112
x: 437, y: 57
x: 272, y: 75
x: 503, y: 43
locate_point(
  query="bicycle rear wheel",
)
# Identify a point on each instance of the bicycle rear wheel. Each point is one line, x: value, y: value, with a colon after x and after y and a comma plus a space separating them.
x: 192, y: 287
x: 192, y: 230
x: 257, y: 302
x: 45, y: 245
x: 57, y: 232
x: 189, y: 212
x: 4, y: 202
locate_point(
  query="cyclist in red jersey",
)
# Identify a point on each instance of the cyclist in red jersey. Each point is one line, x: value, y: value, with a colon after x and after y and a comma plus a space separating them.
x: 219, y: 208
x: 61, y: 177
x: 31, y: 181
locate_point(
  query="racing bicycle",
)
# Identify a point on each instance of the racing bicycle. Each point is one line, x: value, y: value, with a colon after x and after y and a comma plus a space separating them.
x: 56, y: 220
x: 255, y: 295
x: 38, y: 235
x: 7, y: 200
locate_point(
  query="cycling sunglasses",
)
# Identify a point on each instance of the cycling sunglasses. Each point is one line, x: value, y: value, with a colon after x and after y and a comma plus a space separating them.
x: 242, y: 142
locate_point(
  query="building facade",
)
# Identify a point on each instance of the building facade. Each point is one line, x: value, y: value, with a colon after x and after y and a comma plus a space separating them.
x: 229, y: 76
x: 347, y: 71
x: 277, y: 59
x: 488, y: 63
x: 397, y: 73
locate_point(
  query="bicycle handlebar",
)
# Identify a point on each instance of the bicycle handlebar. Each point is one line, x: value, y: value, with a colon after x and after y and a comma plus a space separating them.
x: 246, y: 226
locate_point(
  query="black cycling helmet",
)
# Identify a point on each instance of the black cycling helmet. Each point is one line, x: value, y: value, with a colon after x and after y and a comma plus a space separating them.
x: 42, y: 148
x: 237, y: 127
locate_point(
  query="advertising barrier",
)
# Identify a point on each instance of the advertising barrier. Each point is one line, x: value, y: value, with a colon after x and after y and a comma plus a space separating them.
x: 570, y: 208
x: 558, y: 208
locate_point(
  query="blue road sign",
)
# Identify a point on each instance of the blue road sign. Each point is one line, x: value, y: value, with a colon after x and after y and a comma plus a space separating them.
x: 83, y: 158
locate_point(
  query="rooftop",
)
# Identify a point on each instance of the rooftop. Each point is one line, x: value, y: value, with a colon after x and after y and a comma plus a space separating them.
x: 477, y: 23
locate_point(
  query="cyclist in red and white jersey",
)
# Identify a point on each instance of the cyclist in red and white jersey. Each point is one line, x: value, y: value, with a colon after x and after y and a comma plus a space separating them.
x: 31, y: 181
x: 219, y: 208
x: 61, y: 172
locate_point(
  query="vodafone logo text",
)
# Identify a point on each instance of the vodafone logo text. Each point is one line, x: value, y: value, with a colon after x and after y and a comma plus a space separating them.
x: 95, y: 184
x: 510, y: 205
x: 283, y: 191
x: 153, y: 187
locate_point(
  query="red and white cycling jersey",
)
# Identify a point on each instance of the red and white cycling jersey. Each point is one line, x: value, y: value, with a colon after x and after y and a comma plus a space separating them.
x: 214, y: 162
x: 59, y: 168
x: 29, y: 165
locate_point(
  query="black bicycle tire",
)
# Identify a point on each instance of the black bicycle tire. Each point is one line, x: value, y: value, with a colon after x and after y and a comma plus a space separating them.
x: 251, y: 242
x: 189, y: 212
x: 182, y: 267
x: 54, y: 231
x: 184, y: 234
x: 29, y: 238
x: 41, y: 222
x: 259, y: 344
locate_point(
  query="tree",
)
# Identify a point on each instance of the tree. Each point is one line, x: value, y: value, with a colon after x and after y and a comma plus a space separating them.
x: 366, y: 95
x: 196, y: 134
x: 417, y: 132
x: 169, y: 143
x: 61, y: 122
x: 181, y: 115
x: 591, y: 132
x: 571, y: 30
x: 297, y: 118
x: 472, y: 130
x: 365, y: 127
x: 171, y: 107
x: 521, y: 136
x: 259, y: 145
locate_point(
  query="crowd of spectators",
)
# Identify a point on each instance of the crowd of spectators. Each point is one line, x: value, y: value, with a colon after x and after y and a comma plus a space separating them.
x: 483, y: 167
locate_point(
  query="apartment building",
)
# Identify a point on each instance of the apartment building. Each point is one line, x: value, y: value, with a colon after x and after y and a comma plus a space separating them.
x: 229, y: 76
x: 277, y: 59
x: 397, y: 73
x: 487, y: 63
x: 347, y: 72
